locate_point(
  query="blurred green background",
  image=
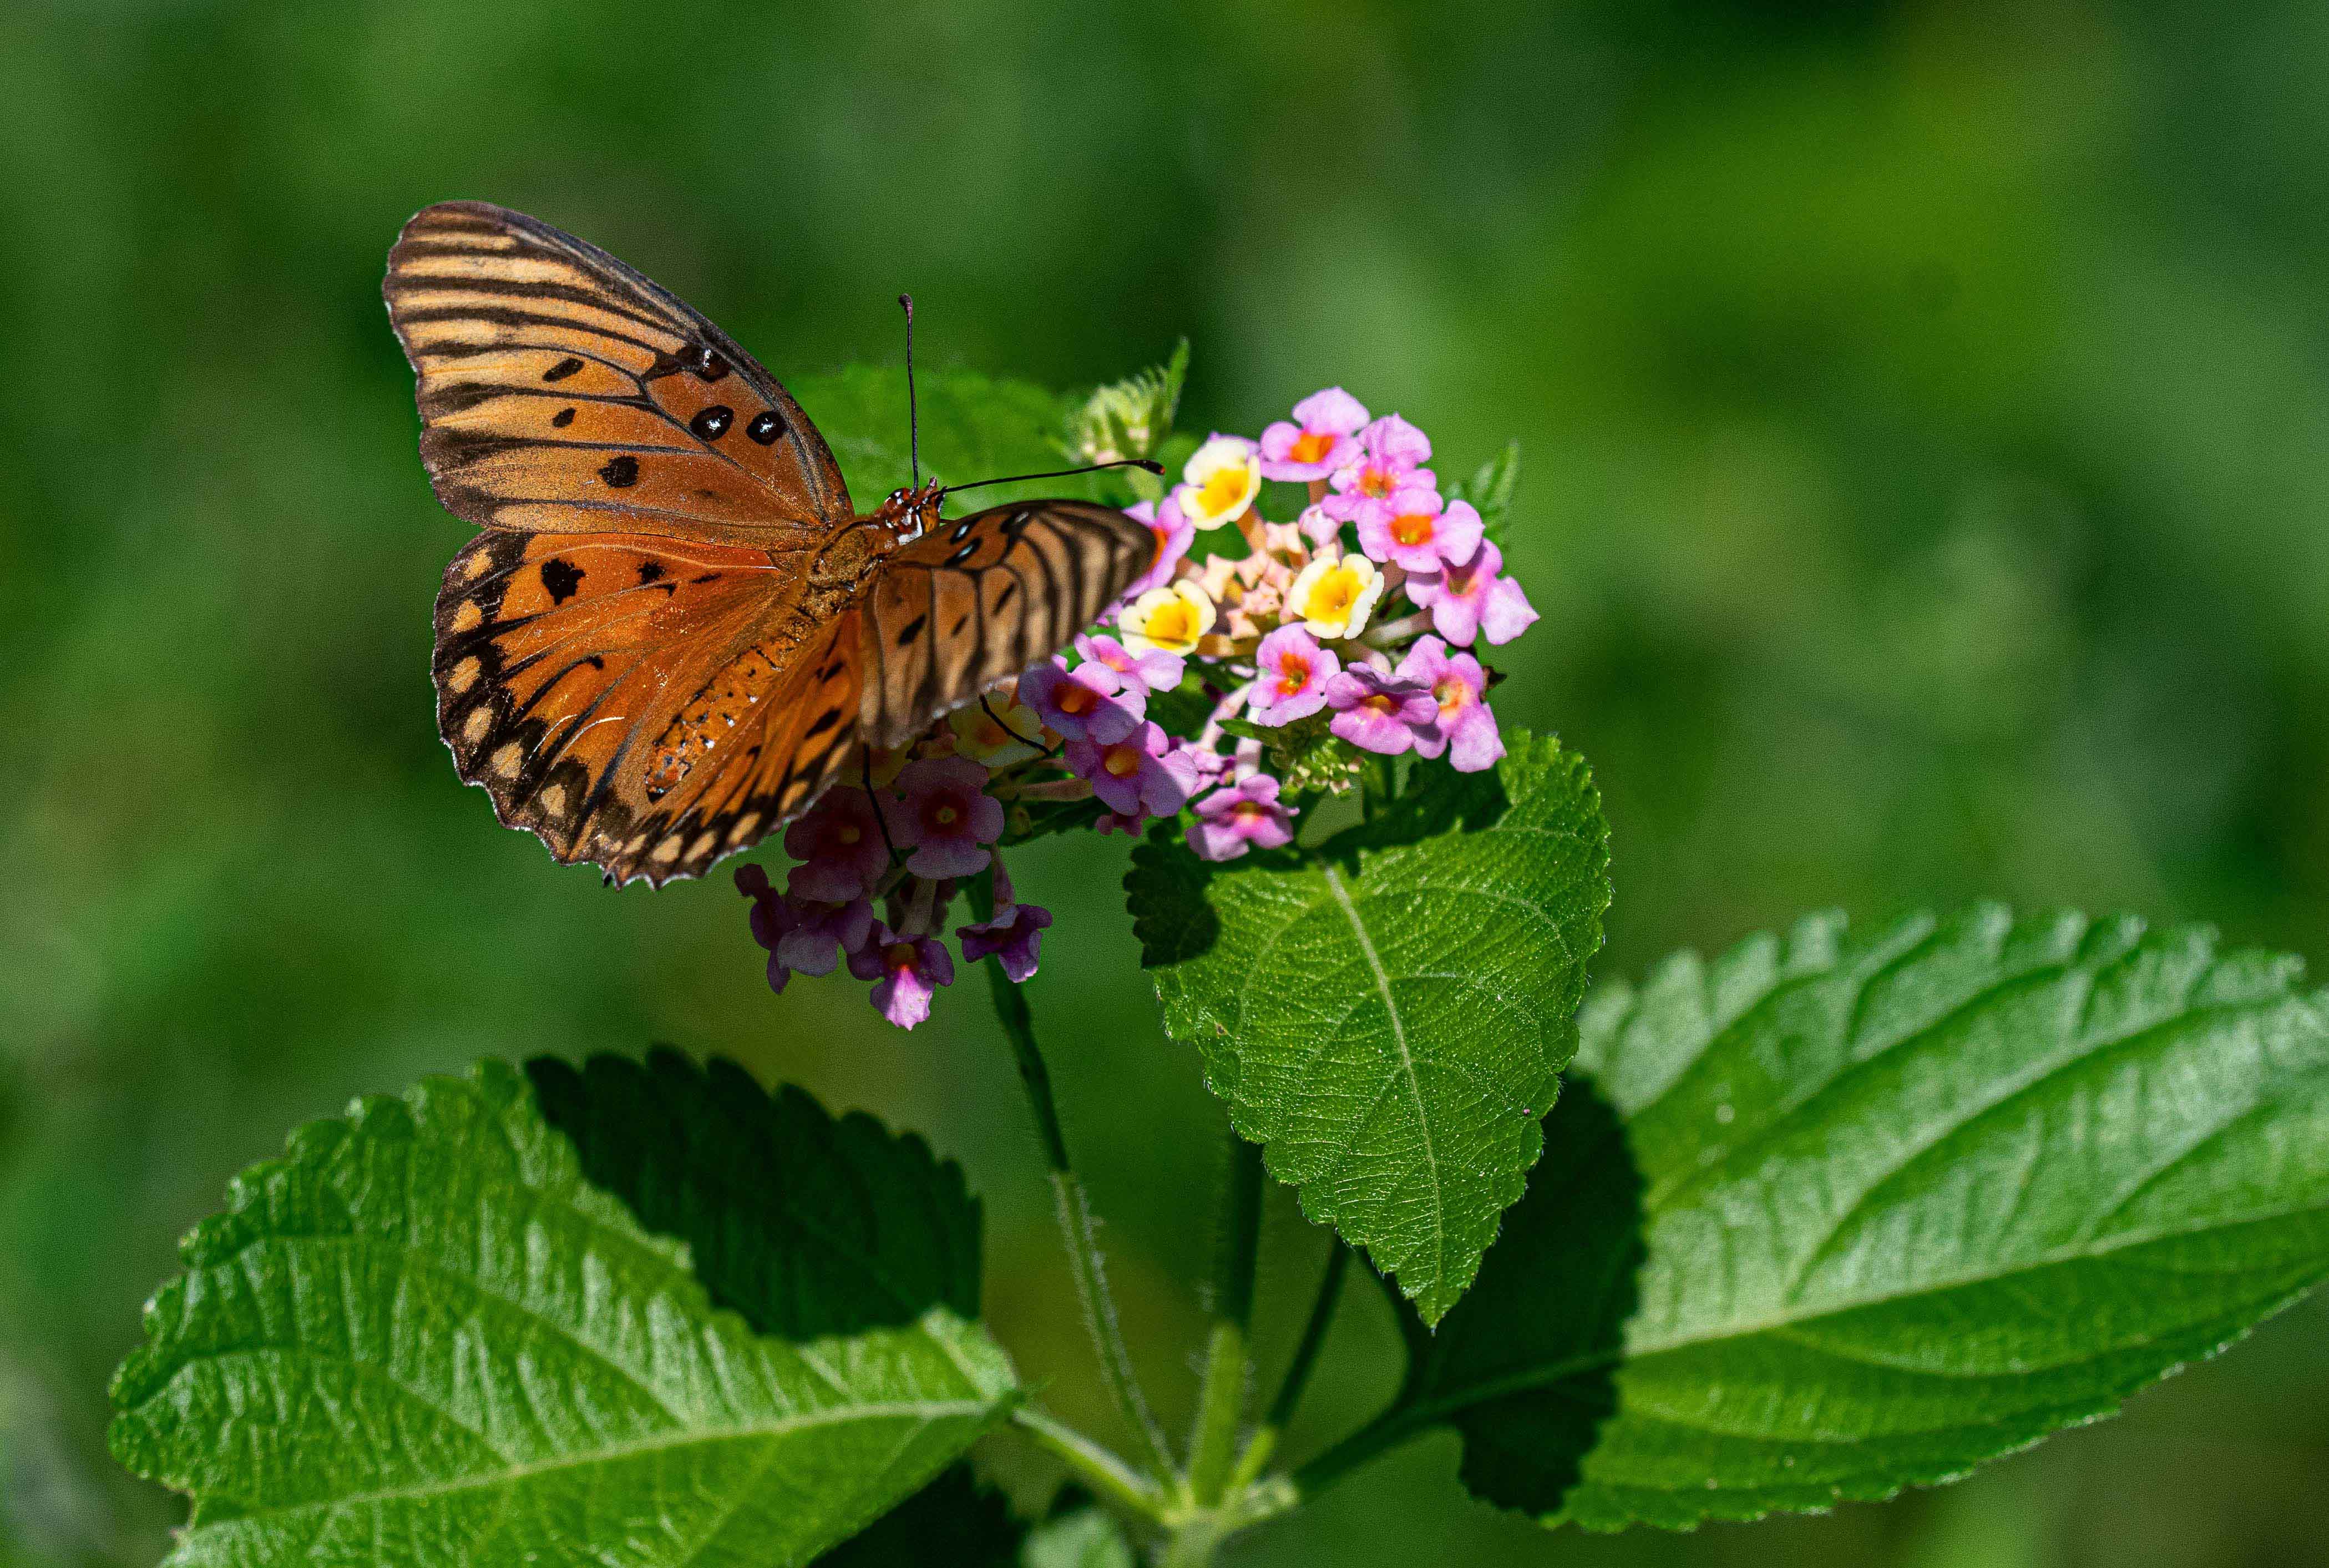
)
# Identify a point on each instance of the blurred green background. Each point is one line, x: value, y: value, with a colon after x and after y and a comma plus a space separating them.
x: 1927, y: 419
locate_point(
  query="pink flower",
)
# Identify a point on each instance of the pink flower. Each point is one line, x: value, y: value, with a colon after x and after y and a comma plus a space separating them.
x: 948, y: 816
x: 1472, y: 601
x: 1291, y: 673
x: 907, y: 972
x: 1089, y: 703
x: 1393, y: 454
x: 1380, y: 713
x: 839, y: 846
x: 818, y: 935
x: 1418, y: 530
x: 1013, y: 936
x: 1466, y: 730
x: 1244, y: 816
x: 770, y: 920
x: 1144, y: 771
x: 1153, y: 671
x: 1321, y: 439
x: 1174, y: 532
x: 1319, y: 526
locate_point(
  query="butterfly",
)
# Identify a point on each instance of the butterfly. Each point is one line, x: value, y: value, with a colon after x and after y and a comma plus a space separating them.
x: 674, y: 631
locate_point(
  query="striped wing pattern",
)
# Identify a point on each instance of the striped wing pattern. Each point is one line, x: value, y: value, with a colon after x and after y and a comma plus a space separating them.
x: 560, y: 389
x: 977, y: 601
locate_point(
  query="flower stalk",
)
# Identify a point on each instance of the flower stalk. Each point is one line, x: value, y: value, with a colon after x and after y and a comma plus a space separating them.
x: 1220, y: 1401
x: 1072, y: 1207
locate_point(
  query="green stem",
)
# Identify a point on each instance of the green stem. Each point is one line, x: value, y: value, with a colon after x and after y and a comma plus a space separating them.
x: 1264, y: 1445
x: 1075, y: 1217
x: 1107, y: 1475
x: 1221, y: 1401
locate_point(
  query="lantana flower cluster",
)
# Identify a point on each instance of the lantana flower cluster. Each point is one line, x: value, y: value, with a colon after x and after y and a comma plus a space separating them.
x: 1227, y: 691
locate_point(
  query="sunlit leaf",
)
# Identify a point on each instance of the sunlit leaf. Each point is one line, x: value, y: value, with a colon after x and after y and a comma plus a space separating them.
x: 1388, y: 1015
x: 422, y: 1336
x: 1830, y: 1219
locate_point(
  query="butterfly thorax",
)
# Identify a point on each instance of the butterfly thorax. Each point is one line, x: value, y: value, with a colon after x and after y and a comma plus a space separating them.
x: 852, y: 552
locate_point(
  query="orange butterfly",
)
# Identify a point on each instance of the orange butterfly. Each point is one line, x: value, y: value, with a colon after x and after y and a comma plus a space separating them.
x: 674, y: 631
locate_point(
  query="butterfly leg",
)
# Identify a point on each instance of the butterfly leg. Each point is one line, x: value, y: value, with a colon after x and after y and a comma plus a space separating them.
x: 865, y: 768
x: 1006, y: 729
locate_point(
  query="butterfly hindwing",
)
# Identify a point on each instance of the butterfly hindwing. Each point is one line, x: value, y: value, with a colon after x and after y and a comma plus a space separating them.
x: 985, y: 597
x: 610, y: 690
x: 560, y: 390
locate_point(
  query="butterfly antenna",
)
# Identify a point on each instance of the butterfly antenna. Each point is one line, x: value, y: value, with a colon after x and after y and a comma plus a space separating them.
x: 913, y: 425
x: 1152, y: 466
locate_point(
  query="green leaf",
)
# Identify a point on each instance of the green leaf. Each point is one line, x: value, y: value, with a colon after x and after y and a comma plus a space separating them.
x: 1085, y: 1538
x: 1834, y: 1219
x: 1388, y: 1015
x: 423, y: 1336
x: 1491, y: 487
x: 973, y: 428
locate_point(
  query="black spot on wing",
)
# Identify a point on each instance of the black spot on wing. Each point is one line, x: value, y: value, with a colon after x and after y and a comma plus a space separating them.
x: 562, y: 369
x: 649, y: 571
x: 620, y: 473
x: 562, y: 418
x: 766, y: 427
x: 711, y: 423
x: 910, y: 630
x: 561, y: 578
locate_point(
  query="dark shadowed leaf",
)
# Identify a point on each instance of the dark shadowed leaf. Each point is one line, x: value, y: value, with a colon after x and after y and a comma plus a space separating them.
x: 952, y: 1522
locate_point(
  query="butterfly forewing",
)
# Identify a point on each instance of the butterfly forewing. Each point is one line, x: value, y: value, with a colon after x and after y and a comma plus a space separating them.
x: 630, y: 657
x: 560, y: 389
x: 986, y: 597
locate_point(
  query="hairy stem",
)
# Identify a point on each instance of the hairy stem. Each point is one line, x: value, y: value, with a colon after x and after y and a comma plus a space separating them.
x: 1107, y: 1476
x: 1221, y: 1401
x: 1075, y: 1217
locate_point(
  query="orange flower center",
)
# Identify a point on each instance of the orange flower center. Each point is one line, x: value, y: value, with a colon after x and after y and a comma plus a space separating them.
x: 1412, y: 527
x: 1075, y: 697
x: 1250, y: 812
x: 900, y: 956
x: 945, y: 816
x: 1124, y: 762
x: 1374, y: 482
x: 1453, y: 693
x: 1380, y: 705
x: 1293, y: 674
x: 1310, y: 445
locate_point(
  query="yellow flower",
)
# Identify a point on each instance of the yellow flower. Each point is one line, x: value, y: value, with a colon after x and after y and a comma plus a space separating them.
x: 1168, y: 619
x: 1333, y: 597
x: 1222, y: 478
x: 1001, y: 738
